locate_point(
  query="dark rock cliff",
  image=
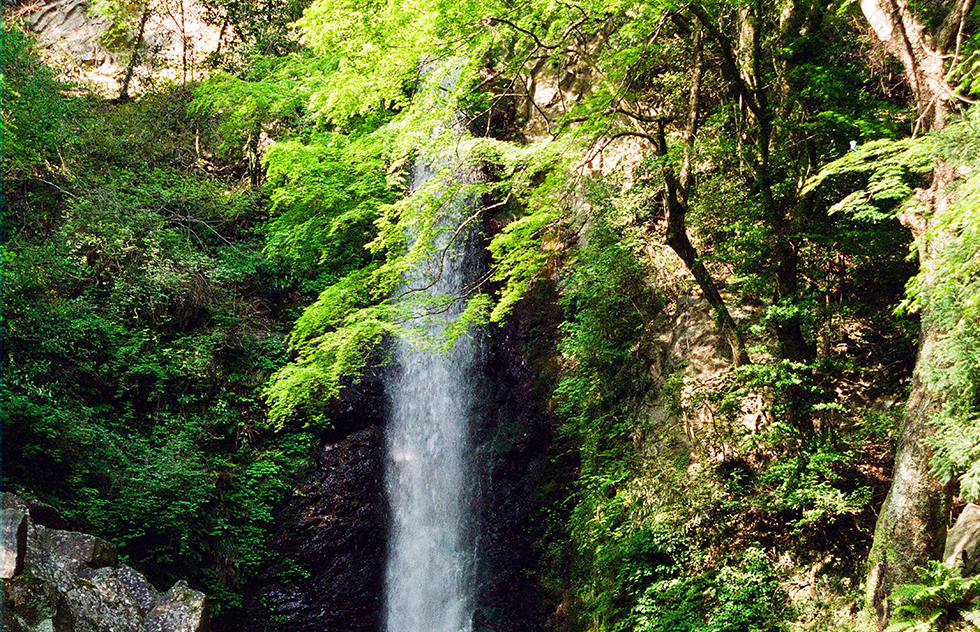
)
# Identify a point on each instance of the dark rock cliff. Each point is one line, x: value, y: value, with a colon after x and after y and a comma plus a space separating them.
x: 515, y: 437
x: 328, y: 553
x: 327, y: 570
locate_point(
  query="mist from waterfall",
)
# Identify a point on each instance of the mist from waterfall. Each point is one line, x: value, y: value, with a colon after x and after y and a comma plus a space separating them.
x: 429, y: 581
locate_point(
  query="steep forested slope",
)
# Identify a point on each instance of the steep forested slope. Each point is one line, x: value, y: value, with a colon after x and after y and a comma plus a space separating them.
x: 140, y: 324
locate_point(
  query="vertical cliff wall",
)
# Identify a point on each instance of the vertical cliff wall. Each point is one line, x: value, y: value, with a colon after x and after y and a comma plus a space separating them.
x: 329, y: 552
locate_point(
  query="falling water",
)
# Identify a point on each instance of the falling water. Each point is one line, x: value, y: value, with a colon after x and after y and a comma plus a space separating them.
x: 429, y: 578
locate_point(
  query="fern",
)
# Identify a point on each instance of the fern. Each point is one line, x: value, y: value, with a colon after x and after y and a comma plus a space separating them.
x: 943, y: 597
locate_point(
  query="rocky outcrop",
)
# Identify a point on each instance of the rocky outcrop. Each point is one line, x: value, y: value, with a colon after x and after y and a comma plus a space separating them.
x: 65, y: 581
x: 328, y: 564
x: 69, y: 551
x: 70, y: 28
x: 143, y: 593
x: 174, y: 43
x: 963, y: 541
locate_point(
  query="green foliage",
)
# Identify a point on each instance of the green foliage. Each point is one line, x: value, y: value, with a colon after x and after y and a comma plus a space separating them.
x: 147, y: 293
x: 519, y: 256
x: 813, y: 487
x: 381, y: 48
x: 413, y: 69
x: 742, y: 596
x: 949, y: 293
x: 886, y: 172
x: 274, y: 87
x: 339, y: 334
x: 608, y: 305
x: 292, y: 571
x: 261, y: 31
x: 36, y: 118
x: 789, y: 390
x: 642, y: 490
x: 123, y: 17
x: 137, y: 337
x: 325, y: 198
x: 879, y: 176
x: 336, y: 218
x: 327, y: 188
x: 943, y: 597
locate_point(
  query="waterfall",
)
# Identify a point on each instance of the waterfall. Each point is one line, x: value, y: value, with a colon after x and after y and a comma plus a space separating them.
x: 430, y: 574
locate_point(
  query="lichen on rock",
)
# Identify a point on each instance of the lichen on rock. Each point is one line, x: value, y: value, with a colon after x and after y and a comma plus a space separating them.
x: 66, y: 581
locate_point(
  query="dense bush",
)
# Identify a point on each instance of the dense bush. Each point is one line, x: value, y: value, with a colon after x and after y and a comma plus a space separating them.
x: 141, y: 321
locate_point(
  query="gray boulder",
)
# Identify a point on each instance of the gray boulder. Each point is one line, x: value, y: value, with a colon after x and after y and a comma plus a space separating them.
x: 34, y: 604
x: 72, y: 551
x: 96, y: 601
x: 13, y: 541
x: 64, y: 581
x: 13, y: 501
x: 141, y: 590
x: 100, y: 602
x: 41, y: 513
x: 182, y: 610
x: 963, y: 540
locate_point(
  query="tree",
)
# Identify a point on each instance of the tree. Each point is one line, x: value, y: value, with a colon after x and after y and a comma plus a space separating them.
x: 617, y: 71
x: 912, y: 523
x: 926, y: 54
x: 679, y: 187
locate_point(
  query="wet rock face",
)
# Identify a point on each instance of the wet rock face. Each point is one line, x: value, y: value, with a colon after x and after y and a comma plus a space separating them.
x: 328, y: 565
x: 327, y: 568
x: 515, y: 434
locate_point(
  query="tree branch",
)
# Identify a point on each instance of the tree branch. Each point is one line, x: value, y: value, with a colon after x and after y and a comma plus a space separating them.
x: 951, y: 30
x: 729, y: 65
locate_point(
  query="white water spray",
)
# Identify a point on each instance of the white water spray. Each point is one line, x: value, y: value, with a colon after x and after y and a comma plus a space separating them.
x: 429, y: 578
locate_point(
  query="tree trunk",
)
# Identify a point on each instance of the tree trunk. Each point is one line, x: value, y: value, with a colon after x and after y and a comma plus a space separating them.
x: 134, y: 58
x: 741, y: 64
x: 678, y: 191
x: 679, y: 242
x: 911, y: 528
x: 923, y: 54
x: 793, y: 345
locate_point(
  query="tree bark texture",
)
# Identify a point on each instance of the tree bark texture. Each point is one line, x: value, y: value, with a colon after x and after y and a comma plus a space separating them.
x: 922, y: 54
x: 911, y: 527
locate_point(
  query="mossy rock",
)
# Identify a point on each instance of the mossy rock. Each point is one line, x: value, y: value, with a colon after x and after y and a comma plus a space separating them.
x: 31, y: 603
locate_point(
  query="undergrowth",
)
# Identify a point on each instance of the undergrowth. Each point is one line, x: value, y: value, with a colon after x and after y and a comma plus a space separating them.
x: 735, y: 528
